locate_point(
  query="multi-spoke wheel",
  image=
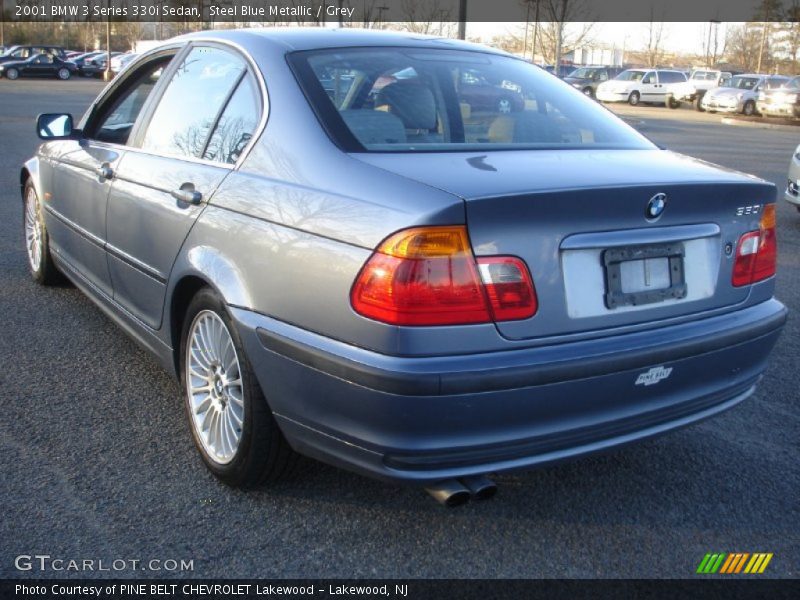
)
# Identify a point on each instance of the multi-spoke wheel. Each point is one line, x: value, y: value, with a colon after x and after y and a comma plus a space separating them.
x: 37, y: 246
x: 231, y: 423
x: 214, y: 382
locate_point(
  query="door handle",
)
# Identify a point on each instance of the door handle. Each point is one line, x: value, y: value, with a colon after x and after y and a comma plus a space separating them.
x: 104, y: 172
x: 186, y: 193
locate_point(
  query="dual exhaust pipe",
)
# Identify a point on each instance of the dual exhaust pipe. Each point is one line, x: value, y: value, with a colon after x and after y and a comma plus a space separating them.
x: 455, y: 492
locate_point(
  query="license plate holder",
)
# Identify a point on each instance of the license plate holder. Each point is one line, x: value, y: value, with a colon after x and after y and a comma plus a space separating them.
x: 613, y: 258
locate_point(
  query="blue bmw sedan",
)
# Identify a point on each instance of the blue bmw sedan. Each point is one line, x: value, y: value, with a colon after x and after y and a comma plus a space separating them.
x: 415, y: 258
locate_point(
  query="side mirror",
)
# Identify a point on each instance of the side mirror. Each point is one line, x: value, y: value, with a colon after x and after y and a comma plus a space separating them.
x: 54, y: 126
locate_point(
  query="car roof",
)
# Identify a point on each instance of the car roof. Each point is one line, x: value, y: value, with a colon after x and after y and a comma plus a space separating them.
x: 291, y: 39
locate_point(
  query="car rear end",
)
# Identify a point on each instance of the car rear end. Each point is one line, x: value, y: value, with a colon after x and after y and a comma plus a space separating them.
x: 588, y: 296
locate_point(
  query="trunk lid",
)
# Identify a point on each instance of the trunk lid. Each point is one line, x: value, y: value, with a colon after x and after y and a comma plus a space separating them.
x: 577, y: 218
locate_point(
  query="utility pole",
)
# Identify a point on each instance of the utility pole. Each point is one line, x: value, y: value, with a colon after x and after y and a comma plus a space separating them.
x: 535, y: 31
x: 107, y: 74
x: 462, y: 19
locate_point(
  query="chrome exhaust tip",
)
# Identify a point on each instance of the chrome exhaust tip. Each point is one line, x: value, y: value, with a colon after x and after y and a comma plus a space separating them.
x: 449, y: 493
x: 479, y: 486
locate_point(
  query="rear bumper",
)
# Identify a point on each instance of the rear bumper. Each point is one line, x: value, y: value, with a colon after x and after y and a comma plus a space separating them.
x: 427, y: 419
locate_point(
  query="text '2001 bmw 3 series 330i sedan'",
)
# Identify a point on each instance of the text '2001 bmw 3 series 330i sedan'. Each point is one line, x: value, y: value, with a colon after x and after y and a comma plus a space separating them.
x: 418, y: 259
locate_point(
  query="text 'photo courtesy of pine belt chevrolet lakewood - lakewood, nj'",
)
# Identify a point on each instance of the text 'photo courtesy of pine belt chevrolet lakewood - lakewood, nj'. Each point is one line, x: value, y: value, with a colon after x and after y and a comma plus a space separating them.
x: 419, y: 259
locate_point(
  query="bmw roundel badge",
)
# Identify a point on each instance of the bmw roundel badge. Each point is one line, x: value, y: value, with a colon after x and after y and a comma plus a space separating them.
x: 655, y: 206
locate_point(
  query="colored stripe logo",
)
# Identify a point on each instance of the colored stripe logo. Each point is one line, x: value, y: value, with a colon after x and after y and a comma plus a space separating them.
x: 734, y: 562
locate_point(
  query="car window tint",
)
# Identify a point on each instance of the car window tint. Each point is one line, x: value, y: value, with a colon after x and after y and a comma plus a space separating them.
x: 402, y: 100
x: 117, y: 121
x: 191, y: 102
x: 236, y: 125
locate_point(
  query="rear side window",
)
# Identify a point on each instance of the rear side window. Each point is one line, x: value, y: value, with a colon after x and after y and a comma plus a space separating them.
x: 236, y: 125
x: 199, y: 89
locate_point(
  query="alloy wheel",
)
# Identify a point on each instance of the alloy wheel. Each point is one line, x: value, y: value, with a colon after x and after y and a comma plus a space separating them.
x: 214, y: 387
x: 33, y: 231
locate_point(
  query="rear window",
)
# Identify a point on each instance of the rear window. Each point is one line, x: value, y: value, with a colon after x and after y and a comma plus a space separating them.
x: 416, y: 99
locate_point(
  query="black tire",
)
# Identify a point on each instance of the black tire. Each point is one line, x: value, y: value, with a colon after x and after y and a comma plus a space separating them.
x: 263, y: 455
x: 12, y: 73
x: 672, y: 103
x: 634, y: 98
x: 698, y: 103
x: 749, y: 108
x: 63, y: 74
x: 588, y: 91
x: 46, y: 273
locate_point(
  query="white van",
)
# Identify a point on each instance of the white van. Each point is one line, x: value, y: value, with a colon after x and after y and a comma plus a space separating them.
x: 640, y: 85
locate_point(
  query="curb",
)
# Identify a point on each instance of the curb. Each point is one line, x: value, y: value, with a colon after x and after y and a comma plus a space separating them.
x: 757, y: 125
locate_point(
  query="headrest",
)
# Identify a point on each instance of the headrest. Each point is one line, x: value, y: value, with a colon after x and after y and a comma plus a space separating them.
x: 374, y: 127
x: 412, y: 102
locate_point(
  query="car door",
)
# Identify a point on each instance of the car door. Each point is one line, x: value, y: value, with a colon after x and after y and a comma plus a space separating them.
x: 40, y: 66
x: 162, y: 185
x: 651, y: 88
x: 83, y: 170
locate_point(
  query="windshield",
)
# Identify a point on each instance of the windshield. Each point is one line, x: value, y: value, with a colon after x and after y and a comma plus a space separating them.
x: 416, y: 99
x: 630, y: 76
x: 743, y: 83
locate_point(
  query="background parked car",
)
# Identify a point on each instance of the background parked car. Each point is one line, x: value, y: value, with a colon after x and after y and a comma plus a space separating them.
x: 481, y: 94
x: 792, y: 194
x: 781, y: 102
x: 586, y: 79
x: 699, y: 82
x: 84, y: 62
x: 23, y: 52
x: 741, y: 93
x: 100, y: 62
x: 563, y: 70
x: 640, y: 85
x: 121, y: 61
x: 41, y: 65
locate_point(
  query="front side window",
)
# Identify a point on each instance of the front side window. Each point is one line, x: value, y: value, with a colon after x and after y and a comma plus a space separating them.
x: 407, y: 99
x: 743, y: 83
x: 194, y: 97
x: 630, y: 76
x: 116, y: 119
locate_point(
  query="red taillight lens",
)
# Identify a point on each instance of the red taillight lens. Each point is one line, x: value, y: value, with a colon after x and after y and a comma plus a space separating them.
x: 509, y: 287
x: 767, y: 257
x: 428, y: 276
x: 757, y: 252
x: 424, y: 276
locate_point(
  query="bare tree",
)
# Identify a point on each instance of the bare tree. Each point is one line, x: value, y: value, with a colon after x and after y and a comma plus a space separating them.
x: 430, y: 17
x: 655, y: 34
x: 788, y: 35
x: 743, y: 44
x: 560, y: 30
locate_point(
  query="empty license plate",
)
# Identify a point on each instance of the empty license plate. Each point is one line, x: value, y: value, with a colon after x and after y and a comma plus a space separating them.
x: 648, y: 274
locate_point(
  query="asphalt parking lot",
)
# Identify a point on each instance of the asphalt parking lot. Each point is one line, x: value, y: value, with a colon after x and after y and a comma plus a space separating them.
x: 98, y: 462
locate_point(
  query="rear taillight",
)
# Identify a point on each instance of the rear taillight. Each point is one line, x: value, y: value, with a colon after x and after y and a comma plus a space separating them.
x: 757, y: 252
x: 428, y: 276
x: 509, y: 287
